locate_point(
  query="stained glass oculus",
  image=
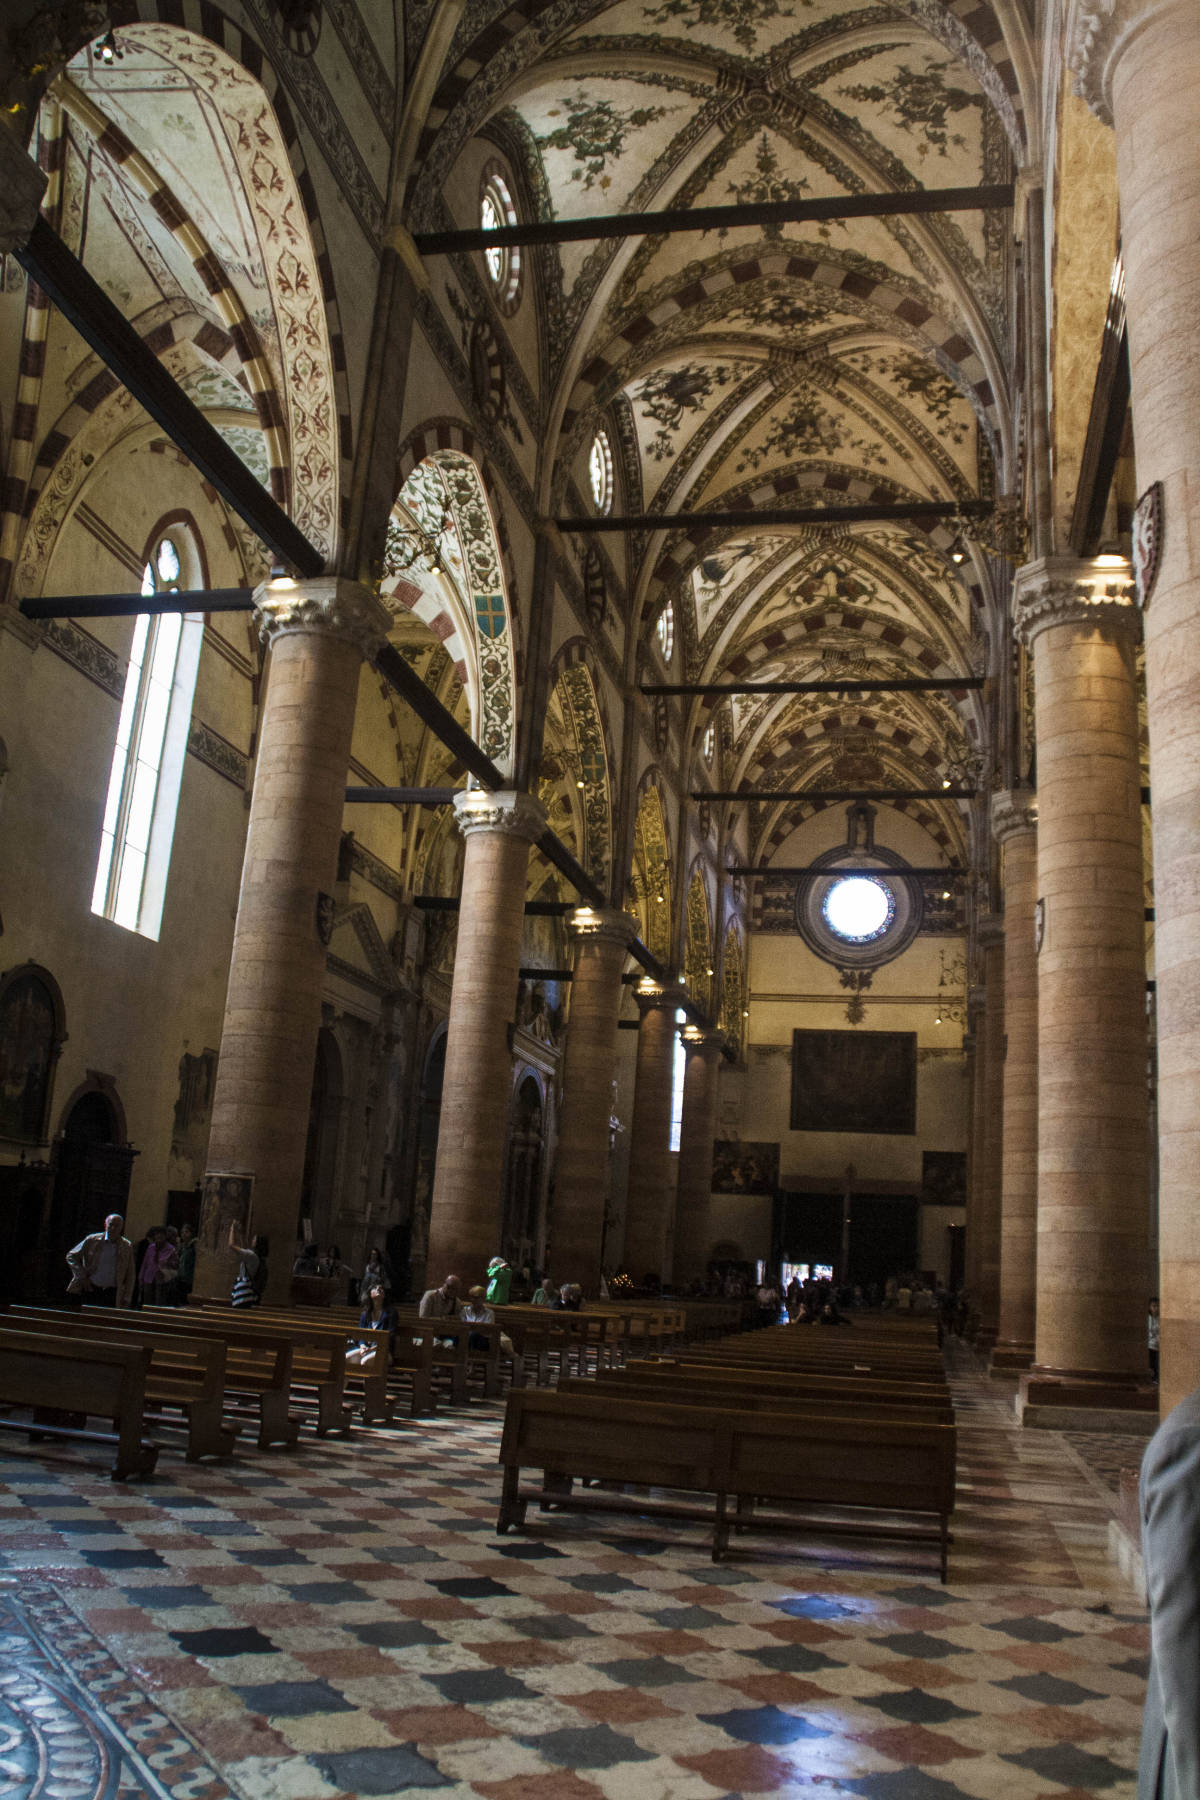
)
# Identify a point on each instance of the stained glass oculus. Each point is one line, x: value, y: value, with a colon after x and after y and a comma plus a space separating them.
x: 859, y: 908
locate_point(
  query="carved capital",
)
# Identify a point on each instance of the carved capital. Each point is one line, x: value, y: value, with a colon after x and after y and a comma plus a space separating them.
x: 652, y: 995
x: 603, y: 925
x: 517, y: 815
x: 704, y: 1044
x: 1013, y: 811
x: 1098, y: 34
x: 22, y: 185
x: 1066, y: 590
x: 327, y: 603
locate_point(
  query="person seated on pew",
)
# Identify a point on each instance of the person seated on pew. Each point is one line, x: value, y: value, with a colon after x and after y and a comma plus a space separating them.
x: 441, y: 1302
x: 570, y: 1297
x: 831, y: 1316
x: 308, y: 1261
x: 804, y: 1315
x: 378, y: 1314
x: 476, y: 1311
x: 545, y: 1291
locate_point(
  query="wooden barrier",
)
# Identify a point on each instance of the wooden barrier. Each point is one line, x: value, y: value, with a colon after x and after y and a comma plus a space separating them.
x: 102, y: 1379
x: 854, y: 1465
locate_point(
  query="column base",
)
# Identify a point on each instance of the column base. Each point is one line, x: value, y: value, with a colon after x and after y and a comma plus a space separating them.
x: 1079, y: 1400
x: 1010, y: 1357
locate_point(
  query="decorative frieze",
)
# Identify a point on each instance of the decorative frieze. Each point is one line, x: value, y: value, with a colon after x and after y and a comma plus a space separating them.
x: 217, y: 753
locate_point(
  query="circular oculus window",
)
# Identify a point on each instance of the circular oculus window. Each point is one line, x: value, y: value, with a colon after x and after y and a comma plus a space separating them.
x: 859, y: 908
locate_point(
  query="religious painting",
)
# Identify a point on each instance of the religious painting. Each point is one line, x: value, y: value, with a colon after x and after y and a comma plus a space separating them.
x: 944, y: 1177
x: 744, y: 1168
x: 29, y: 1045
x: 225, y: 1208
x: 193, y: 1106
x: 863, y: 1081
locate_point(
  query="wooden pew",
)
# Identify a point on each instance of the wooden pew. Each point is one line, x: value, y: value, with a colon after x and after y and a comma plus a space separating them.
x: 187, y: 1370
x: 764, y: 1393
x: 102, y: 1380
x: 855, y: 1465
x: 319, y: 1345
x: 411, y: 1355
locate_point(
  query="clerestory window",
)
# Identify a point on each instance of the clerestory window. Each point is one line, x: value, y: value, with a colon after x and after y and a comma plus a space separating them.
x: 147, y: 765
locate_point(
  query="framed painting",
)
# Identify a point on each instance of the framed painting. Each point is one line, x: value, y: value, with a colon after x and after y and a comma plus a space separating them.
x: 744, y: 1168
x: 861, y: 1081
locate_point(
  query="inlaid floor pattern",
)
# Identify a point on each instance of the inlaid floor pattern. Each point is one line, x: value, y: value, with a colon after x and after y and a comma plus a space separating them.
x: 343, y: 1620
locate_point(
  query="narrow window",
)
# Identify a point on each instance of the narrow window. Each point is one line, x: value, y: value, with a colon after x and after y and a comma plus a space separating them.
x: 664, y: 630
x: 678, y: 1072
x: 147, y: 765
x: 502, y: 261
x: 600, y: 472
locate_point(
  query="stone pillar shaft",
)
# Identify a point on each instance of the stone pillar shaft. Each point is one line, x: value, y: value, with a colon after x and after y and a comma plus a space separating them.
x: 991, y: 1078
x: 318, y: 635
x: 973, y: 1044
x: 1139, y: 67
x: 1014, y: 822
x: 1091, y: 975
x: 651, y: 1198
x: 693, y: 1192
x: 464, y: 1225
x: 582, y: 1160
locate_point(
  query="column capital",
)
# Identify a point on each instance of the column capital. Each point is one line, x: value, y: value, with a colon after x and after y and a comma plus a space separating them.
x: 326, y: 603
x: 651, y: 995
x: 1097, y: 35
x: 512, y: 813
x: 706, y: 1044
x: 603, y: 925
x: 1069, y: 590
x: 22, y: 185
x: 1014, y: 810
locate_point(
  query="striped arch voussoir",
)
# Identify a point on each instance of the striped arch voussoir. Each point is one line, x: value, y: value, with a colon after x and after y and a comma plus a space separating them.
x: 887, y: 731
x: 795, y: 813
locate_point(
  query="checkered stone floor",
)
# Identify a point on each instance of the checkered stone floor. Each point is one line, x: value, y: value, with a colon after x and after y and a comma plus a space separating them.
x: 343, y: 1620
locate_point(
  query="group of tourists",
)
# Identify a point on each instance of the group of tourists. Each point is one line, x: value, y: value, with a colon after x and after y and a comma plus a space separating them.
x: 107, y: 1270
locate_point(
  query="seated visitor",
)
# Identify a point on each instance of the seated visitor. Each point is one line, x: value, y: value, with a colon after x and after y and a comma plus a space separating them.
x: 441, y: 1302
x: 545, y: 1291
x: 831, y: 1316
x: 378, y: 1314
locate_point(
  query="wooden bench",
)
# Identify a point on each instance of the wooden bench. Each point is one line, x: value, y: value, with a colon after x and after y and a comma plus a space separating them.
x: 258, y: 1361
x: 319, y: 1366
x: 763, y: 1395
x: 798, y: 1458
x: 186, y: 1372
x: 409, y: 1354
x: 101, y: 1379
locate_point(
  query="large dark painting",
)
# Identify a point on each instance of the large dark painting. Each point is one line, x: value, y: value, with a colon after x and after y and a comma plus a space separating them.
x: 29, y: 1044
x: 743, y: 1168
x: 944, y: 1177
x: 854, y: 1081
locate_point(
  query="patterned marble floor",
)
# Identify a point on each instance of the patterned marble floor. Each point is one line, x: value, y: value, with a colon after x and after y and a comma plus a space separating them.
x: 344, y: 1621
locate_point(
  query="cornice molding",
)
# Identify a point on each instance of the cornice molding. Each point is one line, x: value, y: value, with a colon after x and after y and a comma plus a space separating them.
x: 514, y: 814
x: 1013, y: 811
x: 1098, y: 33
x: 1066, y: 590
x: 326, y: 604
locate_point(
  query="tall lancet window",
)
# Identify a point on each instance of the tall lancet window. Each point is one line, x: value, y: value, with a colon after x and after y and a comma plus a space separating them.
x: 152, y: 732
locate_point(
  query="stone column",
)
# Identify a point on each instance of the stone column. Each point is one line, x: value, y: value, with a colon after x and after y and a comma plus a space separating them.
x: 693, y: 1190
x: 464, y: 1223
x: 973, y: 1046
x: 987, y: 1183
x: 651, y: 1199
x: 318, y: 632
x: 1138, y: 65
x: 581, y: 1164
x: 1014, y: 825
x: 1080, y: 621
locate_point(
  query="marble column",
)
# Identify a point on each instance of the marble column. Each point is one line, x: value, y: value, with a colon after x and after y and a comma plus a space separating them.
x: 1137, y: 63
x: 1014, y: 825
x: 693, y: 1191
x: 651, y: 1196
x: 464, y: 1223
x: 581, y: 1166
x: 1090, y: 1346
x: 987, y: 1183
x: 318, y: 632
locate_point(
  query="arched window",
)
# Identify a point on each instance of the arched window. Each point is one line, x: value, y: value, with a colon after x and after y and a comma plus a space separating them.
x: 147, y: 765
x: 502, y: 262
x: 664, y: 631
x: 709, y: 743
x: 600, y: 472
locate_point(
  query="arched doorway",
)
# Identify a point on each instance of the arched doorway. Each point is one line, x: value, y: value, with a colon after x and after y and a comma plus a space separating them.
x: 519, y: 1231
x: 317, y: 1187
x: 92, y: 1168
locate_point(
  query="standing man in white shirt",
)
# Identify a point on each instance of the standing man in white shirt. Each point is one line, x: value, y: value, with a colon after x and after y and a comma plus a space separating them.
x: 101, y: 1265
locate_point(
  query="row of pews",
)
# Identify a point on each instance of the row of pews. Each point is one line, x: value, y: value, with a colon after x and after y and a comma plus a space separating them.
x: 98, y: 1375
x: 833, y: 1432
